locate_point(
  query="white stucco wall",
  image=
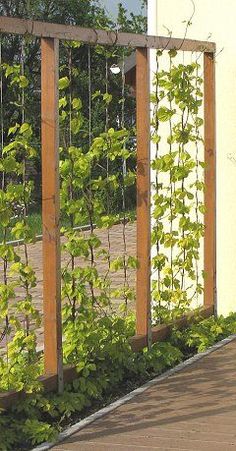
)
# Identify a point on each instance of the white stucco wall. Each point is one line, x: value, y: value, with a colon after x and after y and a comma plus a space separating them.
x: 218, y: 18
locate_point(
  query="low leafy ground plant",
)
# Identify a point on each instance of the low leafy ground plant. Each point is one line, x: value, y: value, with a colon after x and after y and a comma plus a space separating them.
x: 107, y: 369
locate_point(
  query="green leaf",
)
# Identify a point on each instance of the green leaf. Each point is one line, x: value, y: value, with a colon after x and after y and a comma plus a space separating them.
x: 107, y: 97
x: 76, y: 104
x: 164, y: 114
x: 96, y: 94
x: 62, y: 102
x: 13, y: 130
x: 23, y: 81
x: 64, y: 82
x: 24, y: 128
x: 172, y: 53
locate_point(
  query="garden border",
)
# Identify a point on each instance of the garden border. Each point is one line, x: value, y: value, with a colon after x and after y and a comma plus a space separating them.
x: 159, y: 333
x: 138, y: 391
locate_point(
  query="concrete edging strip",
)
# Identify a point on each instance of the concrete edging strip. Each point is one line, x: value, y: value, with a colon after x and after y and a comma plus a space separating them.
x: 102, y: 412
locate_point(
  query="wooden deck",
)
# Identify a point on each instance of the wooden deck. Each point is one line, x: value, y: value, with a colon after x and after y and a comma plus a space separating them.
x: 194, y: 409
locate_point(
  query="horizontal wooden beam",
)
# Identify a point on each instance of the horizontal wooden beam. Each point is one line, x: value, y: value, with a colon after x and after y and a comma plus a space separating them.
x: 91, y: 36
x: 161, y: 333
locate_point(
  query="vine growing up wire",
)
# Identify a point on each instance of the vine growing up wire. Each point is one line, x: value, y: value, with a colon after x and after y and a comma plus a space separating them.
x: 19, y: 363
x: 177, y: 199
x: 91, y: 171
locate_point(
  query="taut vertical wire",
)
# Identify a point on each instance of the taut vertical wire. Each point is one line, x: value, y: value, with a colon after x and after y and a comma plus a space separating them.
x: 181, y: 150
x: 197, y: 180
x: 24, y: 176
x: 70, y: 95
x: 89, y: 97
x: 124, y: 172
x: 107, y: 168
x: 171, y: 185
x: 5, y: 333
x: 1, y: 100
x: 90, y: 193
x: 71, y: 189
x: 156, y: 119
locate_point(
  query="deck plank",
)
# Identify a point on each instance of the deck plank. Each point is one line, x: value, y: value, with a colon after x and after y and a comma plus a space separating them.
x: 194, y: 409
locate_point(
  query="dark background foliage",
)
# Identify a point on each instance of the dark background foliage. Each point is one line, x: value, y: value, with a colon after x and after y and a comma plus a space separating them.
x: 16, y: 49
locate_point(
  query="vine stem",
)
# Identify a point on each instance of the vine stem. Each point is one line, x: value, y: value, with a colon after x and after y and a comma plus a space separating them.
x: 92, y: 256
x: 181, y: 151
x: 197, y: 180
x: 171, y: 189
x: 157, y: 125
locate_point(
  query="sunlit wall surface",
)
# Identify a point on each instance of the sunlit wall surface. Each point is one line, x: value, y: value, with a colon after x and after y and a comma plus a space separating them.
x: 216, y: 21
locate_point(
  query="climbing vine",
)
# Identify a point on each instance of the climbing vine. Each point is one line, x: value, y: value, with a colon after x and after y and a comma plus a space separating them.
x: 177, y: 200
x: 91, y: 176
x: 19, y: 367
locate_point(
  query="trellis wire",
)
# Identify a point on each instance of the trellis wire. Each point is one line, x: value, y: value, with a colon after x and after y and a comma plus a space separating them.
x: 5, y: 333
x: 90, y: 194
x: 107, y: 166
x: 25, y: 212
x: 70, y: 94
x: 1, y: 101
x: 171, y: 186
x: 89, y: 97
x: 71, y: 194
x: 123, y: 190
x: 196, y: 190
x: 156, y: 130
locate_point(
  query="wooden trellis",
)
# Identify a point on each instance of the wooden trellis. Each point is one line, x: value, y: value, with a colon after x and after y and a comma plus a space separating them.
x: 50, y: 34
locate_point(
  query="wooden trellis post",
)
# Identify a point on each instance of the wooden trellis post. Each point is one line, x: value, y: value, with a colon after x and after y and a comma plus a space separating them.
x: 143, y: 295
x: 50, y: 210
x: 210, y: 181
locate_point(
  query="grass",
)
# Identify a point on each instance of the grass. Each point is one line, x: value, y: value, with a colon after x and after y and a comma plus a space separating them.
x: 35, y: 223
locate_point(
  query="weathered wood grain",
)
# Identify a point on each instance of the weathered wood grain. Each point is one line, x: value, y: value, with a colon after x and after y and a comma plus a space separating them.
x: 102, y: 37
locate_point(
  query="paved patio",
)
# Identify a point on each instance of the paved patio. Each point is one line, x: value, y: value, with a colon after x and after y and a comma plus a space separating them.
x: 194, y: 409
x: 117, y: 249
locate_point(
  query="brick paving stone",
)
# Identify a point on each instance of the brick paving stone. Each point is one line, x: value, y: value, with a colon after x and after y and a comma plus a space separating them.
x: 117, y: 248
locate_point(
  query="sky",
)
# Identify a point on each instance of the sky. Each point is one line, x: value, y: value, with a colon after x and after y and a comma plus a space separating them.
x: 132, y: 5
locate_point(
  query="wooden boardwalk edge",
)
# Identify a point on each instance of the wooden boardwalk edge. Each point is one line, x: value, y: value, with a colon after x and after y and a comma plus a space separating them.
x: 67, y: 433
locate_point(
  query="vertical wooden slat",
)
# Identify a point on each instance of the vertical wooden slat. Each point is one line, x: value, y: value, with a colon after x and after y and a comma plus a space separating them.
x: 210, y: 181
x: 143, y: 296
x: 50, y: 210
